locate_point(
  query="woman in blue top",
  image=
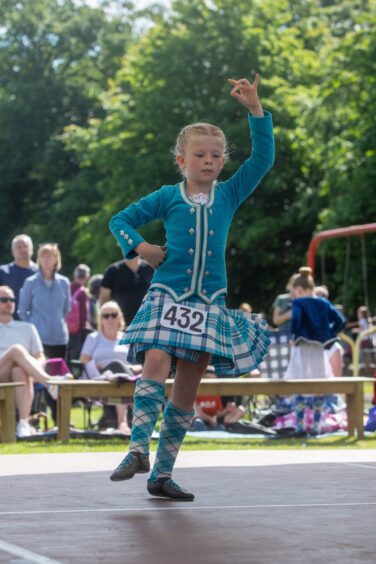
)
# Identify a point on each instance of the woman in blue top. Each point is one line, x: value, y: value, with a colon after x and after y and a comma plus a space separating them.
x: 183, y: 319
x: 45, y: 300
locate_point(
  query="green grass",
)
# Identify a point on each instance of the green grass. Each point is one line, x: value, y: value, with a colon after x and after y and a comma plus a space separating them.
x: 190, y: 443
x: 115, y: 444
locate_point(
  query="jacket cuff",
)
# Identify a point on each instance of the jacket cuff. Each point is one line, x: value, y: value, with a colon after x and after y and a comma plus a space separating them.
x: 129, y: 244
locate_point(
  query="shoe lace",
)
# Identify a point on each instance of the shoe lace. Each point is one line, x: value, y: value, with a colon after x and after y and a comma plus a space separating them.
x: 175, y: 486
x: 128, y: 461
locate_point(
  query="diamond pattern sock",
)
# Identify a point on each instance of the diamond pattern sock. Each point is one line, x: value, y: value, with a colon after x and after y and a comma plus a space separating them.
x: 175, y: 424
x: 148, y: 401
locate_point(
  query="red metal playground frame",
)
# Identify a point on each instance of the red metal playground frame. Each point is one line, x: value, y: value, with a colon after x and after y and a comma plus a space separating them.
x: 359, y: 230
x: 354, y: 230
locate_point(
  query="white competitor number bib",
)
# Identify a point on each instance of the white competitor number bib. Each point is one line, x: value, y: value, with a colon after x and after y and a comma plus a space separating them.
x: 183, y: 318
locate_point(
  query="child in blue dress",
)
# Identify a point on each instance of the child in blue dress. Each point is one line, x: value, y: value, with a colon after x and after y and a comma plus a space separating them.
x: 183, y: 321
x: 315, y: 324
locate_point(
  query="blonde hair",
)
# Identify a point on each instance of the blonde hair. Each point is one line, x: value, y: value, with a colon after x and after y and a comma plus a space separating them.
x: 304, y: 279
x: 290, y: 283
x: 195, y: 130
x: 111, y: 305
x: 49, y: 249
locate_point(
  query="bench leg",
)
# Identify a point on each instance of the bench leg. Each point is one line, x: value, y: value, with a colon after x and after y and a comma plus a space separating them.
x: 359, y: 406
x: 64, y: 409
x: 351, y: 414
x: 8, y: 417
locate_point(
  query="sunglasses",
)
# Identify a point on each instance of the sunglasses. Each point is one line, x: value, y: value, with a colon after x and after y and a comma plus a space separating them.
x: 5, y: 300
x: 108, y: 315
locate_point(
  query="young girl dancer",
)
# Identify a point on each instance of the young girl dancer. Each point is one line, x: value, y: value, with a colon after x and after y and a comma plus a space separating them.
x: 314, y: 327
x: 183, y: 319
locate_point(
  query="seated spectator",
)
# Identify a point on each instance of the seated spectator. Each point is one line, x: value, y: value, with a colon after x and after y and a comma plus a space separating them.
x: 102, y: 352
x: 21, y: 358
x: 15, y: 273
x: 78, y: 319
x: 212, y: 414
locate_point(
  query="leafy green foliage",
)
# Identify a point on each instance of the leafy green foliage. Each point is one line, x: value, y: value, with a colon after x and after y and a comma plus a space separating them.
x: 118, y: 116
x: 55, y: 59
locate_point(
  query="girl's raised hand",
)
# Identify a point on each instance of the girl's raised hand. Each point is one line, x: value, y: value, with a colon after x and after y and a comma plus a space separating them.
x: 247, y: 94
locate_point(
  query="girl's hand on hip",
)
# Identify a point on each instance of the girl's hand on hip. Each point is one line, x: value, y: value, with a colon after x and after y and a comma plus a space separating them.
x: 246, y: 94
x: 153, y: 254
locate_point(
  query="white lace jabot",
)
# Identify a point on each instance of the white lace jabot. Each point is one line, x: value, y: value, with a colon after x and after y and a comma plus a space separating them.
x: 200, y: 198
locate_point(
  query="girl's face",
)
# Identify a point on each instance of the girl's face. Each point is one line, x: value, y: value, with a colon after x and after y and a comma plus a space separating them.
x: 202, y: 161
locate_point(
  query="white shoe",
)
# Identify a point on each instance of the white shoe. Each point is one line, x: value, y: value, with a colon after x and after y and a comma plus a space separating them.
x: 23, y: 429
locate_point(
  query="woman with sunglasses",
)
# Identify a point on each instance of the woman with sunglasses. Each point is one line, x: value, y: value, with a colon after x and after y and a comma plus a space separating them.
x: 102, y: 352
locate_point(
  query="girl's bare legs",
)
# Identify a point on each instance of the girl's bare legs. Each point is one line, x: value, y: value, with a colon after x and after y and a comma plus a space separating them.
x: 157, y: 365
x: 187, y: 381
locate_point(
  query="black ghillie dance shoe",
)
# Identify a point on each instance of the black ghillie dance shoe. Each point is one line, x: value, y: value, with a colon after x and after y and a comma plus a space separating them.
x: 166, y: 487
x: 133, y: 463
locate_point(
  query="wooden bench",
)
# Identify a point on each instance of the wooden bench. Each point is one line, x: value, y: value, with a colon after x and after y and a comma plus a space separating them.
x: 352, y: 387
x: 8, y: 411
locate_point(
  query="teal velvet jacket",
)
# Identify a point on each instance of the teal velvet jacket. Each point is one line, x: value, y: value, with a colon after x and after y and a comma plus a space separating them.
x: 196, y: 234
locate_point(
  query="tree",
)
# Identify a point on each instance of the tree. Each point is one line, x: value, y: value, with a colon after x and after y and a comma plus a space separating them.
x: 343, y: 128
x: 177, y: 73
x: 117, y: 118
x: 55, y: 59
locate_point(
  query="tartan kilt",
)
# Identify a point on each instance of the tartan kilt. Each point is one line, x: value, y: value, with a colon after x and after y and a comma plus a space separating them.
x: 236, y: 341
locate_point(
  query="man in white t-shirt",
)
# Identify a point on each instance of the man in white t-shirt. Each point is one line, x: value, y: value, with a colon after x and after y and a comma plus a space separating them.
x: 21, y: 358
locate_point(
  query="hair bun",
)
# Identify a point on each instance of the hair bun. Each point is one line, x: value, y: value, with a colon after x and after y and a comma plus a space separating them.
x: 305, y: 271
